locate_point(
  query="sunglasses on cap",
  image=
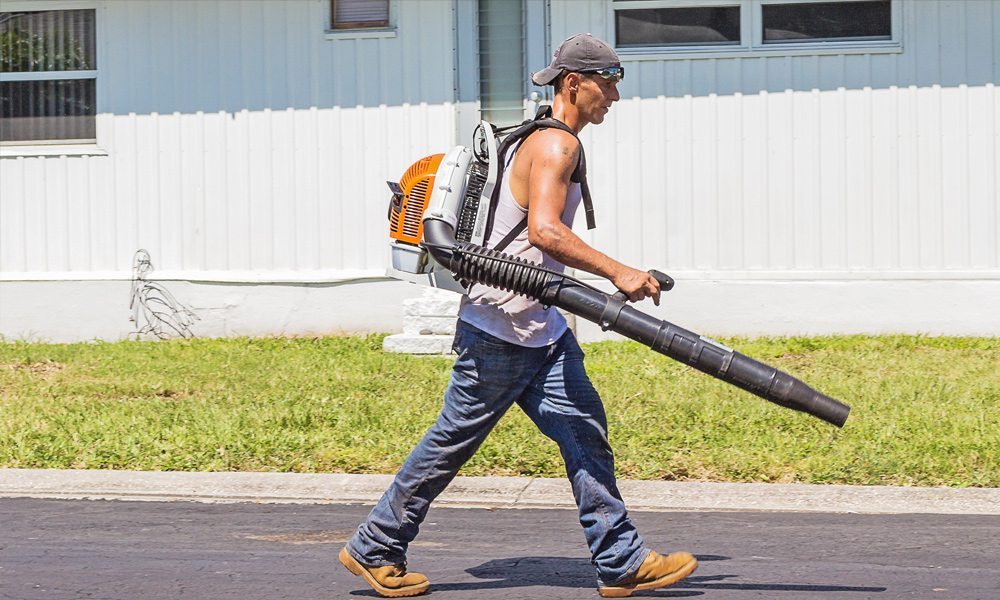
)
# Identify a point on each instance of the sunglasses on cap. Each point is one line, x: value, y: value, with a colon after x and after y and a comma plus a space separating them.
x: 614, y: 74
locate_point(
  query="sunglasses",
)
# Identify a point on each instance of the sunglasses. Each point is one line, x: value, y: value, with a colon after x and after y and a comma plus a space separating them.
x: 614, y: 74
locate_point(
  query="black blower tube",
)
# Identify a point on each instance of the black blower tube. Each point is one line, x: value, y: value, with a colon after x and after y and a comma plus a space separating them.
x: 475, y: 263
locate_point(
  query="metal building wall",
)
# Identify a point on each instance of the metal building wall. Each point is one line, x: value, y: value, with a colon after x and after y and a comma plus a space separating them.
x: 237, y: 140
x: 807, y: 167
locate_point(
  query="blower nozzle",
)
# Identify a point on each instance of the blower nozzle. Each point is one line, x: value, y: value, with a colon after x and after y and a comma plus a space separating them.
x: 470, y: 262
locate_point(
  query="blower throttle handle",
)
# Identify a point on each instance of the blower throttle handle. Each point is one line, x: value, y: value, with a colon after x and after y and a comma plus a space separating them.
x: 666, y: 284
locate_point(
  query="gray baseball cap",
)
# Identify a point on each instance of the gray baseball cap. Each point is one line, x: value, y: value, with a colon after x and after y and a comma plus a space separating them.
x: 581, y: 52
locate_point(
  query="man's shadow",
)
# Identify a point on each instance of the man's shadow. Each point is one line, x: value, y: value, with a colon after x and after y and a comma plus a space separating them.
x: 542, y: 571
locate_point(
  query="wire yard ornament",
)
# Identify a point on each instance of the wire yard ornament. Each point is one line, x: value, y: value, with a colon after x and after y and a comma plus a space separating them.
x: 155, y: 311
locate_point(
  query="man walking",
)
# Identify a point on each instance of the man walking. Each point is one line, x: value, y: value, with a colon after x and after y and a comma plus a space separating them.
x: 511, y: 349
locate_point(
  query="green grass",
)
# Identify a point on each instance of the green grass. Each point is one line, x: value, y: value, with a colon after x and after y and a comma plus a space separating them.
x: 926, y: 411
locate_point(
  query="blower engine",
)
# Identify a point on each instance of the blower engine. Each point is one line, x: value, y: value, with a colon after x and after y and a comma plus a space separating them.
x: 439, y: 216
x: 457, y: 187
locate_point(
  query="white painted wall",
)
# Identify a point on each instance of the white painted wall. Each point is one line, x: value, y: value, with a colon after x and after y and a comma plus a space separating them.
x: 235, y: 136
x: 61, y: 311
x: 237, y: 142
x: 841, y: 165
x: 57, y: 311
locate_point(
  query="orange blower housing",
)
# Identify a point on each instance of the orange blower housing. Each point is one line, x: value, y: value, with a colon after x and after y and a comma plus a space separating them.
x: 457, y: 187
x: 406, y: 211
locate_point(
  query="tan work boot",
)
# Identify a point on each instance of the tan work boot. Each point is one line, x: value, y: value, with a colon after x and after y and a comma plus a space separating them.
x: 390, y: 582
x: 655, y: 572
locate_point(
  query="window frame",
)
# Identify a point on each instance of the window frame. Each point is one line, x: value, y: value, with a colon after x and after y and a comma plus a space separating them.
x: 361, y: 29
x: 752, y: 33
x: 85, y: 147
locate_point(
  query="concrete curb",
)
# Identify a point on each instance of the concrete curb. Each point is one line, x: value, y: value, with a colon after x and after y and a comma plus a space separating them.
x: 491, y: 492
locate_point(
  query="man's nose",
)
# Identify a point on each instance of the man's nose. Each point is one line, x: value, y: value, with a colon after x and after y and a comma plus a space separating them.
x: 615, y: 96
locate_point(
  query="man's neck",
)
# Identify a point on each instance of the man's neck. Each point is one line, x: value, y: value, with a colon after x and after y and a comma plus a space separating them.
x: 568, y: 114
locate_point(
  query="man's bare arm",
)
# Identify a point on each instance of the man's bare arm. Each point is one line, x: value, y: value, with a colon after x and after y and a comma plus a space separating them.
x: 552, y: 159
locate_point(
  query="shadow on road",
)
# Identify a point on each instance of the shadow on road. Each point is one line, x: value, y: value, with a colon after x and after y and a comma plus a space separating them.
x: 530, y: 571
x: 711, y: 582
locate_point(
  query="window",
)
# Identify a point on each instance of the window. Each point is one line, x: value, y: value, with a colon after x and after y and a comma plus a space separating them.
x: 48, y: 77
x: 833, y: 21
x: 501, y: 61
x: 765, y: 26
x: 673, y: 26
x: 359, y: 14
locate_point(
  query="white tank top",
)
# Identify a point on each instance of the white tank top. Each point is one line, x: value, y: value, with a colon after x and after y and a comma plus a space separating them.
x: 512, y: 317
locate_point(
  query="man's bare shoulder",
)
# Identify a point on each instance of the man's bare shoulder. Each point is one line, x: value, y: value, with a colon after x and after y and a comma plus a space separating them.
x: 553, y: 146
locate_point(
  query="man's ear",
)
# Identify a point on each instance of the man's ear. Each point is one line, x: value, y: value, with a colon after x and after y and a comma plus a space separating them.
x: 572, y: 82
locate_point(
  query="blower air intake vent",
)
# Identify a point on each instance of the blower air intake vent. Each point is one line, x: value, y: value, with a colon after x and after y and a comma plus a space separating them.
x: 393, y: 220
x: 418, y: 197
x: 478, y: 172
x: 406, y: 223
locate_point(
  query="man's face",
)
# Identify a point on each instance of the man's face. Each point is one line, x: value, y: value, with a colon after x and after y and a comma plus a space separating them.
x: 595, y: 97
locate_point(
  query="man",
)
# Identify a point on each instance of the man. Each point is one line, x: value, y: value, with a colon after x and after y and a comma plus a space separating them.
x: 513, y: 350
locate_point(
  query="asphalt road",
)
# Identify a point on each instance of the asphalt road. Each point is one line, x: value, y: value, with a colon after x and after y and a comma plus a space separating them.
x: 114, y: 550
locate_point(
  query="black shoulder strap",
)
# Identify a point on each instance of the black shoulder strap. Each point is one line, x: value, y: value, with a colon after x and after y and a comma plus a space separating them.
x: 543, y: 120
x: 512, y: 235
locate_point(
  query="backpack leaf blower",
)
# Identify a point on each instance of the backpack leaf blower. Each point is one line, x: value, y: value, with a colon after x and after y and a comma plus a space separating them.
x: 439, y: 218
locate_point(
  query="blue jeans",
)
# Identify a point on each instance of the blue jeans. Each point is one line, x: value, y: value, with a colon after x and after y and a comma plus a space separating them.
x: 552, y: 388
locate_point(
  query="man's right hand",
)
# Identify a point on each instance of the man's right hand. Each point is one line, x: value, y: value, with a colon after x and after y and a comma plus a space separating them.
x: 637, y: 285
